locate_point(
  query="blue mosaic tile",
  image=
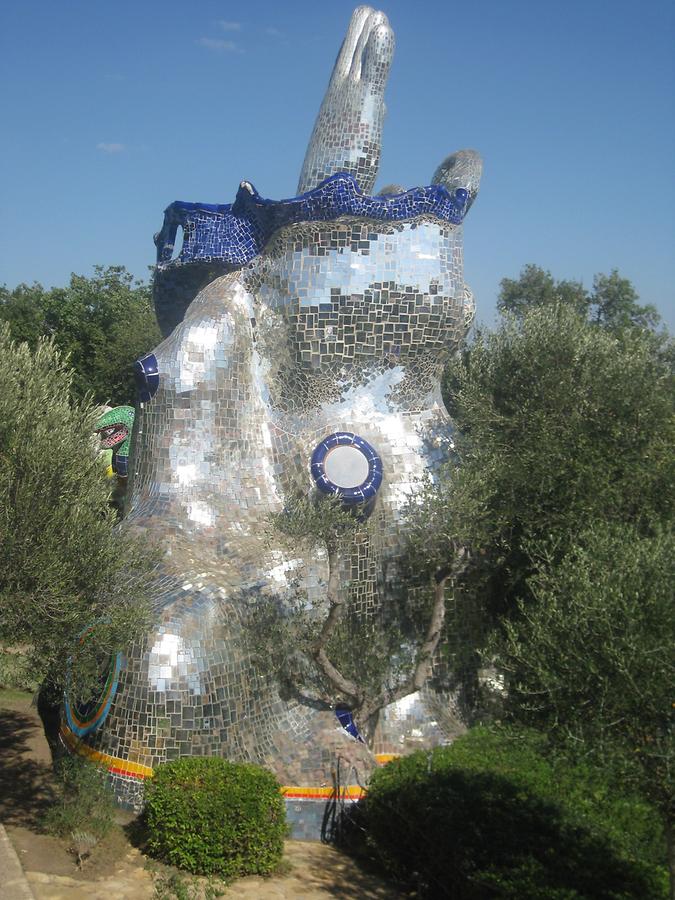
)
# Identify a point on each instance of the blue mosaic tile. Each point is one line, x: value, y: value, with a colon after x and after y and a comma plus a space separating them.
x: 236, y: 233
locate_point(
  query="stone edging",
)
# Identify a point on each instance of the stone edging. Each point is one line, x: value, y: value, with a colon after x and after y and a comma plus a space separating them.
x: 12, y: 877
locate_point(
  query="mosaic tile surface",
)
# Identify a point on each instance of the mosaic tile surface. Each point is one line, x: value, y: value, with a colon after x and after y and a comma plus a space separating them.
x: 338, y: 318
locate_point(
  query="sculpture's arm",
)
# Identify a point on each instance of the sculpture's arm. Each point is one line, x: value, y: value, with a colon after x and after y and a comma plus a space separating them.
x: 190, y: 431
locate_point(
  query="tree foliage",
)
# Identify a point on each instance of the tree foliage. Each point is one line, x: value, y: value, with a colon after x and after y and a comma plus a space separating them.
x: 559, y: 424
x: 562, y: 490
x: 62, y: 565
x: 537, y: 287
x: 611, y: 303
x: 103, y: 324
x: 614, y: 304
x: 593, y: 657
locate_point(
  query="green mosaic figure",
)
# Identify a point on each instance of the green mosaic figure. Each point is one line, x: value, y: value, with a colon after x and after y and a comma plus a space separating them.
x: 114, y: 430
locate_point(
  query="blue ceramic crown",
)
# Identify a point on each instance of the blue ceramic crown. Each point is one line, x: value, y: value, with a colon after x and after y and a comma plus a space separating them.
x: 235, y: 233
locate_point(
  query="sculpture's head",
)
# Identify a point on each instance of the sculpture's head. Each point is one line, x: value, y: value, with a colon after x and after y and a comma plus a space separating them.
x: 350, y: 278
x: 352, y: 289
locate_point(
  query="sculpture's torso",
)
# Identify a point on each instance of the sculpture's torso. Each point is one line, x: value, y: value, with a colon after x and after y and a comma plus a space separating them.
x: 261, y: 370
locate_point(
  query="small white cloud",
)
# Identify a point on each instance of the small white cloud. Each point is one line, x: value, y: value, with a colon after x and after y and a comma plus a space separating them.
x: 229, y: 26
x: 222, y: 46
x: 110, y: 148
x: 273, y: 32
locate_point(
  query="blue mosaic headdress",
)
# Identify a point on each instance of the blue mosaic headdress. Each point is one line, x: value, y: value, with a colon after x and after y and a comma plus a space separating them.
x: 235, y: 233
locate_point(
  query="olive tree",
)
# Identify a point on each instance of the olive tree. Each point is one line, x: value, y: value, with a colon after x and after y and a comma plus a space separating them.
x: 591, y: 660
x: 558, y: 424
x: 327, y: 650
x: 561, y: 489
x: 63, y: 566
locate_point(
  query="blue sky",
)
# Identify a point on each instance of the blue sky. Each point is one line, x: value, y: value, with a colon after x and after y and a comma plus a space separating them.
x: 111, y: 111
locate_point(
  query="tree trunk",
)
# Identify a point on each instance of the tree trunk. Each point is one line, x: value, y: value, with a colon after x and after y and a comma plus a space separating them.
x: 336, y: 603
x: 424, y: 658
x: 368, y: 710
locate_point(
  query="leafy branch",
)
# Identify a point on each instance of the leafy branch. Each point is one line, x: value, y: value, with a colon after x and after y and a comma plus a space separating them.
x: 324, y: 522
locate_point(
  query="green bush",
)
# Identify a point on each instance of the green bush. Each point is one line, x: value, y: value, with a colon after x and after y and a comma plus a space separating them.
x: 491, y: 816
x: 211, y: 816
x: 84, y: 803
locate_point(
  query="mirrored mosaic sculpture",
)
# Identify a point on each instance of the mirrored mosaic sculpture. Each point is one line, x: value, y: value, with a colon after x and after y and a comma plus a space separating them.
x: 295, y: 329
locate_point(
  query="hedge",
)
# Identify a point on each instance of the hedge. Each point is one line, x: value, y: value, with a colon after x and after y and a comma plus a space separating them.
x: 491, y: 816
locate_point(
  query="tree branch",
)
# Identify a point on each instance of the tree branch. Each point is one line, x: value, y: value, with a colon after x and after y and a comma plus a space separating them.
x: 426, y: 653
x: 336, y: 605
x: 424, y: 658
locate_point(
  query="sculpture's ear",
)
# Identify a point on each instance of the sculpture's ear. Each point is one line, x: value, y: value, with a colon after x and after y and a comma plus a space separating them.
x: 391, y: 189
x: 345, y: 58
x: 462, y: 169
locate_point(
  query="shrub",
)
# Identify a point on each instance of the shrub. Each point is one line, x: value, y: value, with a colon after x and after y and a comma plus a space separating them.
x: 595, y: 798
x: 490, y: 816
x: 211, y: 816
x: 84, y: 804
x: 62, y: 566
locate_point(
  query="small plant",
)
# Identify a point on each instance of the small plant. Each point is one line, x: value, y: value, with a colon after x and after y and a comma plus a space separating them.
x: 84, y: 804
x: 83, y: 844
x: 211, y: 816
x: 214, y: 889
x: 175, y: 886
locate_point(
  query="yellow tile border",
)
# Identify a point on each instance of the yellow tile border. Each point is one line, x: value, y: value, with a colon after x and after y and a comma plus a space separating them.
x: 136, y: 770
x: 112, y: 763
x: 321, y: 793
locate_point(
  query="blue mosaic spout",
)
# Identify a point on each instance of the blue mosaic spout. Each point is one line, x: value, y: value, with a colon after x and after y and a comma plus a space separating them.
x: 236, y: 233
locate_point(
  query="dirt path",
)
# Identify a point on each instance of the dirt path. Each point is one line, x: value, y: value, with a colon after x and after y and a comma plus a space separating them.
x: 118, y: 871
